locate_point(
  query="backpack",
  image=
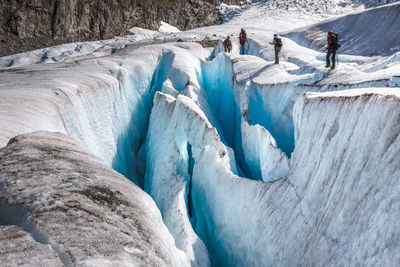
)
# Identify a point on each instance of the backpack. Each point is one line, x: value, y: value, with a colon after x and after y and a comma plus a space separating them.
x: 243, y: 35
x: 227, y: 42
x: 335, y: 40
x: 278, y: 42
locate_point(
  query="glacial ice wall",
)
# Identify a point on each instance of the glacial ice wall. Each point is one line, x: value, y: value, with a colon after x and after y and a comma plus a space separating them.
x: 339, y: 210
x: 178, y: 131
x: 348, y: 185
x: 98, y: 102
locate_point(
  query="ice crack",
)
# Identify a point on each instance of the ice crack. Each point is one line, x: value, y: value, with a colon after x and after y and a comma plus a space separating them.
x: 18, y: 215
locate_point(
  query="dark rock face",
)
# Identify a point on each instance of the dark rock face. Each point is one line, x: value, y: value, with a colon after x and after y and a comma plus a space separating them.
x: 46, y: 22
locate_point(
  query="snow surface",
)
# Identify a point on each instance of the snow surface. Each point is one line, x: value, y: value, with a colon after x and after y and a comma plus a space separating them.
x: 249, y: 163
x: 167, y: 28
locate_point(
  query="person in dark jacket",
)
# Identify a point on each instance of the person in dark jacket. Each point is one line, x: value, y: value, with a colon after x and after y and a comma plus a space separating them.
x: 242, y: 40
x: 332, y: 48
x: 277, y: 42
x: 228, y: 44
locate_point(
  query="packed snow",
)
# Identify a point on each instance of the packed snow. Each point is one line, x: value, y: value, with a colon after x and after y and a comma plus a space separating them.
x: 237, y: 161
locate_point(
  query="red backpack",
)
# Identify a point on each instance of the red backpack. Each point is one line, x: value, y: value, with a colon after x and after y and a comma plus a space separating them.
x: 278, y: 42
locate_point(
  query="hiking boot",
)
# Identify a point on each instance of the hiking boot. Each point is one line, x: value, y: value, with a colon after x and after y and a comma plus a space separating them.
x: 327, y: 66
x: 333, y: 67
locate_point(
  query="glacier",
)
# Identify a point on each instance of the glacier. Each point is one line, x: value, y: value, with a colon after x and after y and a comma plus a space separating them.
x: 151, y: 149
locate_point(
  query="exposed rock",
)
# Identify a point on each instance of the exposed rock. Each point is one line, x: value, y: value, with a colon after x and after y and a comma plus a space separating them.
x: 209, y: 43
x: 89, y: 214
x: 73, y: 20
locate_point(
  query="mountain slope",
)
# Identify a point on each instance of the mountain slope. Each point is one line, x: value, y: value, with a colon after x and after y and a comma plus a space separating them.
x: 25, y: 25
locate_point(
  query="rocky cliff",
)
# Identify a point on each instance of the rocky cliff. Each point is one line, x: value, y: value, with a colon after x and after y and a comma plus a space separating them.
x: 29, y: 24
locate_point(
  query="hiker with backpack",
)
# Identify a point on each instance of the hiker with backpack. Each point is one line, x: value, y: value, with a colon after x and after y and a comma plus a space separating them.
x: 227, y: 44
x: 333, y: 46
x: 277, y: 42
x: 242, y: 40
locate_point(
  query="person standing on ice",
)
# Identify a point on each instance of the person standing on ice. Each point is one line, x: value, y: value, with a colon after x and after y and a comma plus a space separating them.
x: 242, y: 40
x: 277, y: 42
x: 333, y: 46
x: 228, y: 44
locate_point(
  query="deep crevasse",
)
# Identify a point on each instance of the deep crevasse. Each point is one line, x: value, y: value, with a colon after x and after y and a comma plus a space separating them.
x: 210, y: 98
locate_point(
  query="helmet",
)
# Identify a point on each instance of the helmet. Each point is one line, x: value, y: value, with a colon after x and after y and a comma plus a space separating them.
x: 330, y: 32
x: 275, y: 35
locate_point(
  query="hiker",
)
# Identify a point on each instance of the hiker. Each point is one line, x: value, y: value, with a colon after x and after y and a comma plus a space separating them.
x: 228, y: 44
x: 333, y: 46
x: 242, y: 40
x: 277, y: 42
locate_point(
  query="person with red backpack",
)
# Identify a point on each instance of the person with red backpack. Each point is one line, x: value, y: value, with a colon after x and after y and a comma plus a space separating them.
x: 333, y: 46
x: 277, y: 42
x: 242, y: 40
x: 227, y: 44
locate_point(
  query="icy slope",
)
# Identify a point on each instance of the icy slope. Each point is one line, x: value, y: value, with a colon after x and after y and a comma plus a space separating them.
x: 87, y: 213
x: 371, y: 32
